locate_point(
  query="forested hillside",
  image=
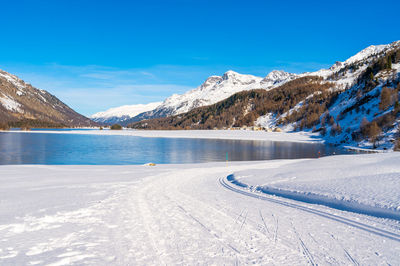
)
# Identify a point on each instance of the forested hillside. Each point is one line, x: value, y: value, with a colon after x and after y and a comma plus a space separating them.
x: 354, y: 102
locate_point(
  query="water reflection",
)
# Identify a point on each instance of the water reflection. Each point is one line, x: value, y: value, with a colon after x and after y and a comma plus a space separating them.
x: 45, y: 148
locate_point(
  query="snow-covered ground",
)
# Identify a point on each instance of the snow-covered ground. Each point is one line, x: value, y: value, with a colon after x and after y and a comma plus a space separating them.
x: 196, y: 134
x: 193, y: 214
x: 364, y: 184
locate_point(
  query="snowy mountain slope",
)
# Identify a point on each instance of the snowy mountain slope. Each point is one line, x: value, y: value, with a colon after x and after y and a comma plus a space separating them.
x: 331, y: 101
x: 346, y: 72
x: 217, y: 88
x: 358, y: 83
x: 122, y: 113
x: 21, y: 101
x: 214, y: 89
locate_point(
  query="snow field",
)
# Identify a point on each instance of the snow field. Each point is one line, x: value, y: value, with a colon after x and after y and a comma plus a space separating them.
x: 366, y: 184
x: 181, y: 214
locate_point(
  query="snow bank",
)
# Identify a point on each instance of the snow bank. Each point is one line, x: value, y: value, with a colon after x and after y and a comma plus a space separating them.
x: 366, y: 184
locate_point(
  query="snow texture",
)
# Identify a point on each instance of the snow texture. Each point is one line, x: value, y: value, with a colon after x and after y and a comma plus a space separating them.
x: 192, y: 214
x: 9, y: 103
x: 366, y: 185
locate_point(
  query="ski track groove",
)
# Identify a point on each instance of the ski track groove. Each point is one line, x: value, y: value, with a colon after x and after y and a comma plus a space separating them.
x: 166, y: 219
x: 147, y: 217
x: 344, y: 220
x: 348, y: 256
x: 245, y: 247
x: 306, y: 251
x: 262, y: 219
x: 351, y: 258
x: 209, y: 230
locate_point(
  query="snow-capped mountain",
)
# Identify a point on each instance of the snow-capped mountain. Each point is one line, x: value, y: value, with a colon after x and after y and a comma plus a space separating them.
x: 20, y: 101
x: 122, y: 113
x: 215, y: 89
x: 276, y: 77
x: 355, y: 102
x: 350, y: 69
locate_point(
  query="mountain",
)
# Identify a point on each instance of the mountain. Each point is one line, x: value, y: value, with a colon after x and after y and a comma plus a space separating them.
x: 20, y: 102
x: 354, y: 102
x: 217, y: 88
x: 119, y: 115
x: 213, y: 90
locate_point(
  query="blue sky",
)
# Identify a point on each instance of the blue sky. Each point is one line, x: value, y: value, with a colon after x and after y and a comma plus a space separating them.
x: 94, y: 55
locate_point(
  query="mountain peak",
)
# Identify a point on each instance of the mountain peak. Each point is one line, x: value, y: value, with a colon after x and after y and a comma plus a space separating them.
x: 229, y: 74
x: 125, y: 110
x: 276, y: 76
x: 367, y: 52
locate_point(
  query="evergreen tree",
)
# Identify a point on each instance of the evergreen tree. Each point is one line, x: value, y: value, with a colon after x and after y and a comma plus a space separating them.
x: 389, y: 62
x: 371, y: 76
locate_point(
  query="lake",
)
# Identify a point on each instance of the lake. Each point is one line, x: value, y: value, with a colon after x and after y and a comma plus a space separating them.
x: 48, y: 148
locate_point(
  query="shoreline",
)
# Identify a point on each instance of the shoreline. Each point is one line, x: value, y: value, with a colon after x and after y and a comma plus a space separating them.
x: 302, y: 137
x: 248, y: 135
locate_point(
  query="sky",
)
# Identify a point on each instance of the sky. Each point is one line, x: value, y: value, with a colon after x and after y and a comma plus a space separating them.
x: 95, y: 55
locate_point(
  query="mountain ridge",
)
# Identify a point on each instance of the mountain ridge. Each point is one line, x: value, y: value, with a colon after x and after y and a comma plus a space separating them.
x: 20, y: 102
x: 216, y: 88
x: 122, y: 113
x: 352, y: 103
x: 212, y: 90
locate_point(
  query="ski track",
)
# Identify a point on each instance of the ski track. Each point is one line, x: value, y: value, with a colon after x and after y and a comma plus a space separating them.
x: 194, y: 217
x: 354, y: 223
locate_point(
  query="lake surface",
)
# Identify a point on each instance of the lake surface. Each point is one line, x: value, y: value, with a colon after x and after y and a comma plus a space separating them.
x: 48, y: 148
